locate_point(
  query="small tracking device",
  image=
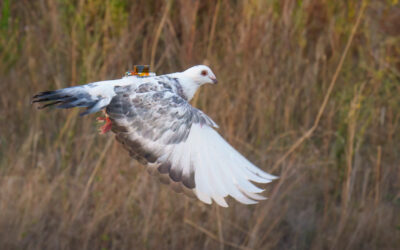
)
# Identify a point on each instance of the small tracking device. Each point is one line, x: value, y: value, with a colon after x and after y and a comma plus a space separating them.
x: 140, y: 71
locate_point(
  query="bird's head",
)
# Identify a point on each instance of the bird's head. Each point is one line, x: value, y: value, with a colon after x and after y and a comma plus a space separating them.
x: 201, y: 74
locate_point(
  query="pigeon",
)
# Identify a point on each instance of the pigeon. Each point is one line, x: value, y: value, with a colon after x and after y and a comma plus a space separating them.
x: 153, y: 120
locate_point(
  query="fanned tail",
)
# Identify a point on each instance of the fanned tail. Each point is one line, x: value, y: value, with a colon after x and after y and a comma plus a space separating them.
x: 72, y: 97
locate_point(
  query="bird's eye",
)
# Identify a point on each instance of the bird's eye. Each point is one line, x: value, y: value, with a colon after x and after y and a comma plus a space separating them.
x: 204, y: 72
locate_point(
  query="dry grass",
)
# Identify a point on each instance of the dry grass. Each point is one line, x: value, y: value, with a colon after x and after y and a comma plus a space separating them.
x: 62, y: 186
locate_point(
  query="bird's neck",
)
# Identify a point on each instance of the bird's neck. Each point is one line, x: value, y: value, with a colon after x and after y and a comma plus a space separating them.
x: 187, y: 87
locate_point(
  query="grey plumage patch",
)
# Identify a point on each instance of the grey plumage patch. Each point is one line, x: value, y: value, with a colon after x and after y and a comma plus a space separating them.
x: 179, y: 88
x: 165, y: 85
x: 177, y: 100
x: 158, y: 96
x: 116, y: 128
x: 135, y: 146
x: 157, y: 115
x: 164, y: 168
x: 175, y: 174
x: 150, y: 157
x: 123, y: 89
x: 188, y: 181
x: 146, y: 87
x: 136, y: 149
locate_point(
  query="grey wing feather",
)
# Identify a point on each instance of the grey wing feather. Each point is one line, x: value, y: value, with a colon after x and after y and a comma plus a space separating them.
x: 149, y: 121
x: 157, y: 115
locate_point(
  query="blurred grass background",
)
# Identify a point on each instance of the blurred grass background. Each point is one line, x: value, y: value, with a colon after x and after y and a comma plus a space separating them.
x: 63, y: 186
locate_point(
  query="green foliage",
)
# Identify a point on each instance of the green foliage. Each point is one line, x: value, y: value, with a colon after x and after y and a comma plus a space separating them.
x: 5, y: 15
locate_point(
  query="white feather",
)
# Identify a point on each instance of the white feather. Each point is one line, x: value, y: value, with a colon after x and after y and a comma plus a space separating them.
x: 217, y: 189
x: 219, y: 169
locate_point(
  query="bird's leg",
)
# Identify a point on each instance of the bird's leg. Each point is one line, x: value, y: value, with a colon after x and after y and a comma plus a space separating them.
x: 107, y: 125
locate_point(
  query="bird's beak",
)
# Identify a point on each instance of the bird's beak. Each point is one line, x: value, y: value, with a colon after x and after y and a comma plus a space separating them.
x: 214, y: 80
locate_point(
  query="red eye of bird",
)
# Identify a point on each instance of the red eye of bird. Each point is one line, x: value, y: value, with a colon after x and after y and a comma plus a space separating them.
x: 204, y: 72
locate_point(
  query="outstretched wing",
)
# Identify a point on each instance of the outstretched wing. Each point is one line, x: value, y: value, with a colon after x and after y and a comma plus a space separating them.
x: 162, y: 130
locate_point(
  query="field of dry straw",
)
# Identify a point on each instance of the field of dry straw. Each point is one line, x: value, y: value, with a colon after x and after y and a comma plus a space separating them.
x: 308, y: 90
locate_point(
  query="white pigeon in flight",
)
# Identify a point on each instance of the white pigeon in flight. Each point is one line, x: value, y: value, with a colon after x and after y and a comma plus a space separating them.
x: 152, y: 118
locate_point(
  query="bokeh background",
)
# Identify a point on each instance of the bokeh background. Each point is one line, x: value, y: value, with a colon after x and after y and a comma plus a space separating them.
x: 308, y: 90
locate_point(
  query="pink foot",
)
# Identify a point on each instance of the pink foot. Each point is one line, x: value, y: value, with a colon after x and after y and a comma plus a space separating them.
x: 106, y: 127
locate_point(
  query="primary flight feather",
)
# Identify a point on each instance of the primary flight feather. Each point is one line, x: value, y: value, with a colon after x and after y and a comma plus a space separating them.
x: 153, y: 120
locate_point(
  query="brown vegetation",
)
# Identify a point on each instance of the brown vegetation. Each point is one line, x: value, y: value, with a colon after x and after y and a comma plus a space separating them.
x: 290, y: 98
